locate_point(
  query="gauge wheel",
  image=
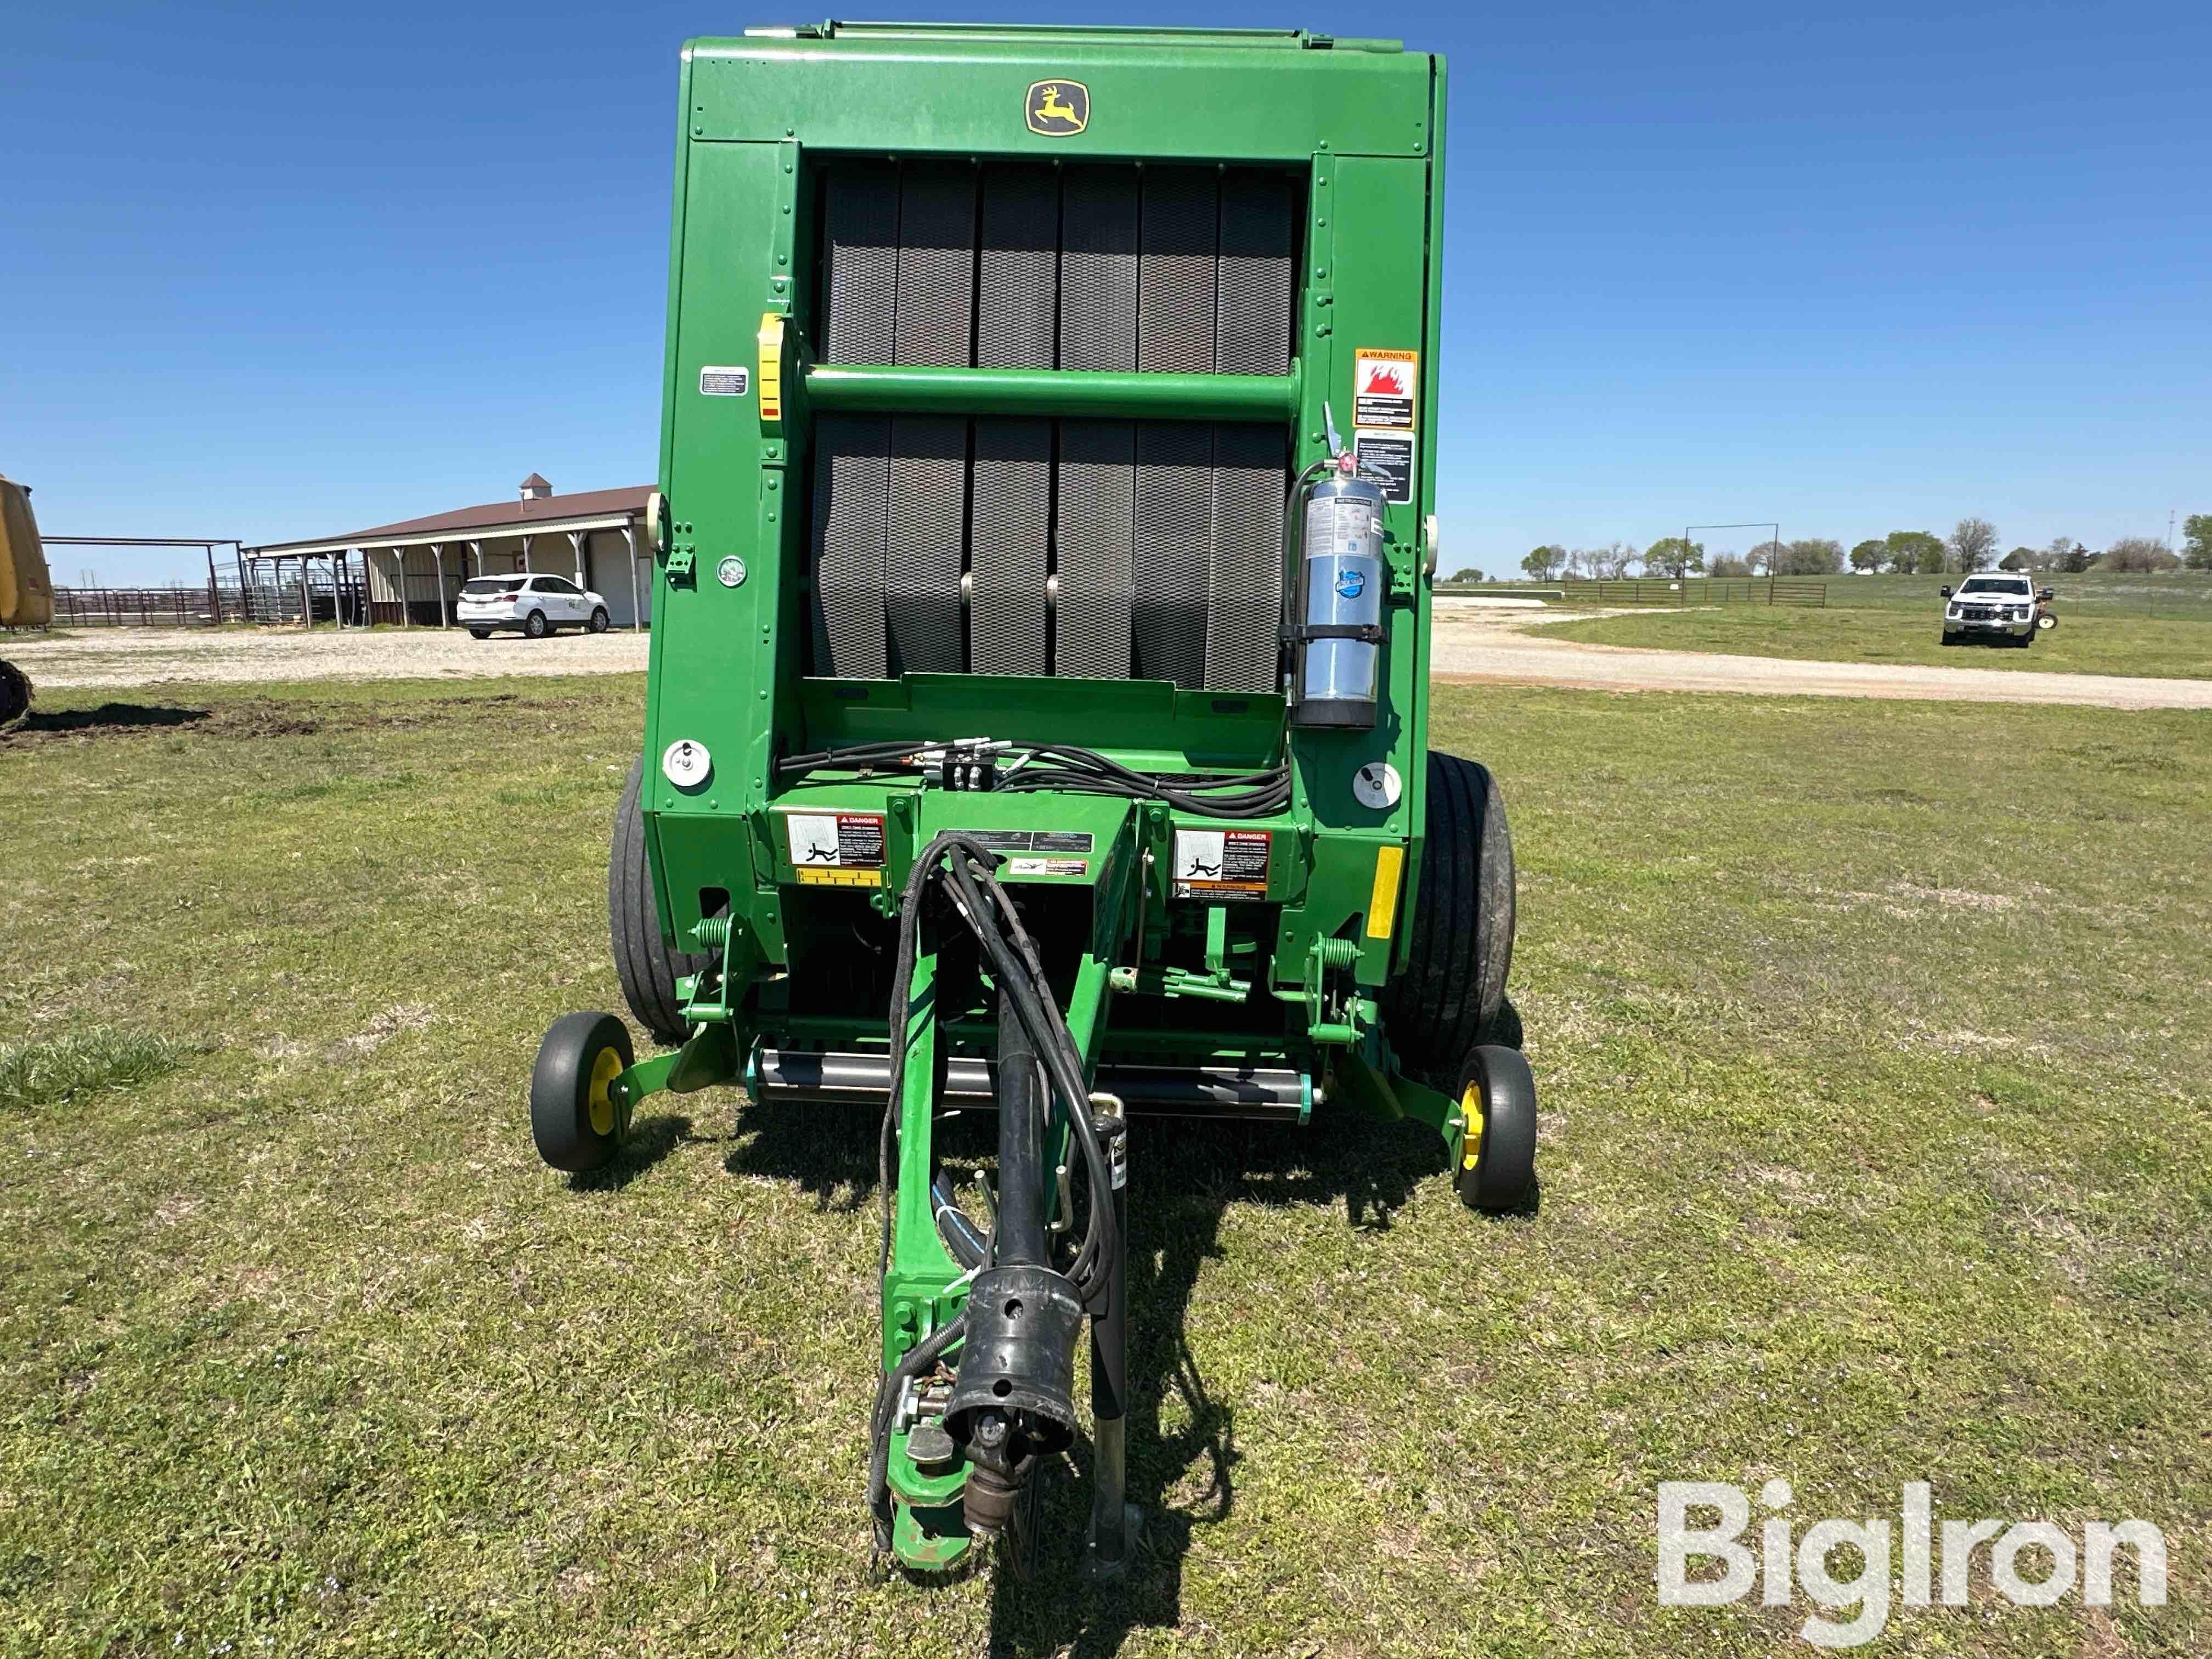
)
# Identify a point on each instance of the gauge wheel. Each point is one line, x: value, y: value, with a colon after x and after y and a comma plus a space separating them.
x: 535, y: 626
x: 573, y: 1116
x: 599, y: 620
x: 1498, y: 1098
x: 2046, y: 621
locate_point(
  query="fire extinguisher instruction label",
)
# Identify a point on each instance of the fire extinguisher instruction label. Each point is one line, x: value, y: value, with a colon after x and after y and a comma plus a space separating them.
x: 1227, y: 864
x: 1384, y: 385
x: 1386, y: 459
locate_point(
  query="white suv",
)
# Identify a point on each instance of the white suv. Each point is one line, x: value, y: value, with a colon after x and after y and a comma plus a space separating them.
x: 1999, y: 607
x: 536, y: 605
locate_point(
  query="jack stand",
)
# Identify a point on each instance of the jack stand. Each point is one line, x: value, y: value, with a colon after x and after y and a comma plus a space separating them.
x: 1114, y: 1521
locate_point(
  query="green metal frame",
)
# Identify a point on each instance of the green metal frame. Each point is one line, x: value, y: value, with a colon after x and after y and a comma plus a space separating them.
x: 1362, y: 122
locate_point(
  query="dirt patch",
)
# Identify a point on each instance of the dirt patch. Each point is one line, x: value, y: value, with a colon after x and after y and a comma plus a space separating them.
x: 408, y: 1017
x: 1493, y: 647
x: 151, y: 656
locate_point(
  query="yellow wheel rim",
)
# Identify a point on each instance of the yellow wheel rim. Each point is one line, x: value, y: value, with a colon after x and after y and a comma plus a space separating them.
x: 1470, y: 1109
x: 606, y: 1066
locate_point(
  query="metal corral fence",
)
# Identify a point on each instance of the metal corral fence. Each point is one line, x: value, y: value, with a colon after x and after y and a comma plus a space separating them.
x: 1701, y: 590
x: 204, y: 604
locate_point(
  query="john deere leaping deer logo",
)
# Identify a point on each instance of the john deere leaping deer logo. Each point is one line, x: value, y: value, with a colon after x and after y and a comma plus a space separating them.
x: 1059, y: 109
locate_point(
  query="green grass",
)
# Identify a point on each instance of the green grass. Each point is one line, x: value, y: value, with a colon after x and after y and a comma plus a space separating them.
x: 2178, y: 595
x: 82, y: 1063
x: 2080, y: 644
x: 1877, y: 1146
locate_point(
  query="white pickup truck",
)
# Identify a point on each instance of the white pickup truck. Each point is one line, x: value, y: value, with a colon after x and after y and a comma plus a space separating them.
x: 2000, y: 607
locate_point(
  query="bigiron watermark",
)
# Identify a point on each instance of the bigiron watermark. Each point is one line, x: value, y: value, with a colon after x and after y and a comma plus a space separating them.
x: 1934, y: 1562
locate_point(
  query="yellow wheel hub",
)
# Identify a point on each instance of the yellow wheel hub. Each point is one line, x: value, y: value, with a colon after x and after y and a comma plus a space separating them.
x: 606, y: 1066
x: 1470, y: 1109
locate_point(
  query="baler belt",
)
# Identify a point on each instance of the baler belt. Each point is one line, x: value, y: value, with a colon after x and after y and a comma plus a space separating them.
x: 852, y: 483
x: 1016, y: 297
x: 1010, y: 513
x: 1243, y: 600
x: 1094, y: 533
x: 1009, y: 539
x: 928, y: 490
x: 1174, y: 538
x: 859, y: 250
x: 1174, y: 271
x: 936, y: 317
x: 1094, y: 524
x: 1098, y: 270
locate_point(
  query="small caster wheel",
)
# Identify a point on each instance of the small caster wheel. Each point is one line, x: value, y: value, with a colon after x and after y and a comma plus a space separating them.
x: 1497, y: 1094
x: 572, y: 1118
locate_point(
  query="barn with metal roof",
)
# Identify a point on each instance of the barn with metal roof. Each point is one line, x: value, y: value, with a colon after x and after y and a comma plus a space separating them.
x: 409, y: 572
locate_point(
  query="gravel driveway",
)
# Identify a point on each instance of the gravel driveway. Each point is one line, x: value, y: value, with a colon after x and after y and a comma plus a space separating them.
x: 1470, y: 645
x: 149, y: 656
x: 1480, y: 645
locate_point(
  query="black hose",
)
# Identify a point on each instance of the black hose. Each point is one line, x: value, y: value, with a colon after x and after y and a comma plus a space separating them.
x: 1063, y: 766
x: 970, y: 1248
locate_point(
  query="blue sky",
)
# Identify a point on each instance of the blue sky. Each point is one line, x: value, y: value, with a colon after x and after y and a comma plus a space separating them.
x: 275, y: 271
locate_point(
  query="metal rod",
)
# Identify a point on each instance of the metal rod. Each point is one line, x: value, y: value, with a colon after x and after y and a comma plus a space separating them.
x: 1110, y: 1519
x: 922, y: 391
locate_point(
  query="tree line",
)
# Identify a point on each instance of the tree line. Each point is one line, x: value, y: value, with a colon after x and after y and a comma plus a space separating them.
x: 1971, y: 545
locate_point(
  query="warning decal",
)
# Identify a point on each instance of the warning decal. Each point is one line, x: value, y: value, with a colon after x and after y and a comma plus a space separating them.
x: 1227, y: 864
x: 834, y: 841
x: 720, y: 380
x: 1386, y: 459
x: 1049, y: 867
x: 1383, y: 387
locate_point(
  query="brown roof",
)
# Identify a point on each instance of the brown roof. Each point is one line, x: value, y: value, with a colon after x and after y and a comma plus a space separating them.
x: 536, y: 480
x: 495, y: 518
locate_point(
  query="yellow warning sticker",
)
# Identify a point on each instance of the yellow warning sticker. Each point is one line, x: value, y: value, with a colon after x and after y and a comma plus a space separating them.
x: 832, y: 876
x: 1384, y: 387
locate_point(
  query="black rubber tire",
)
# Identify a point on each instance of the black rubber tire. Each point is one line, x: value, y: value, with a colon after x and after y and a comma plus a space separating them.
x: 562, y: 1088
x: 599, y: 623
x: 1505, y: 1160
x: 479, y: 633
x: 2046, y: 623
x: 535, y: 626
x: 14, y: 694
x: 644, y: 962
x: 1453, y: 991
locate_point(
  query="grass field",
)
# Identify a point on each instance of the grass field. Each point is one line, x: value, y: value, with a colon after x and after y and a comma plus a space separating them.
x: 1877, y: 1147
x: 2180, y: 596
x: 2080, y: 644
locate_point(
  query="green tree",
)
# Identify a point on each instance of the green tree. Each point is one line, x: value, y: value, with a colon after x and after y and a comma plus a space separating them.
x: 1973, y: 543
x: 1815, y: 556
x: 1728, y: 565
x: 1469, y: 574
x: 1543, y: 561
x: 2196, y: 541
x: 1869, y: 556
x: 2138, y: 555
x: 2020, y: 558
x: 2074, y: 560
x: 1671, y: 555
x: 1912, y: 551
